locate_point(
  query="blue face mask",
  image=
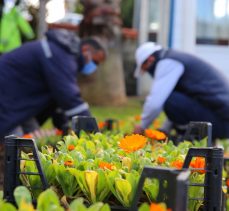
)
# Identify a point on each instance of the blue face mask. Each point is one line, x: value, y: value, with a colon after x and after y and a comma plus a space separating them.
x: 89, y: 68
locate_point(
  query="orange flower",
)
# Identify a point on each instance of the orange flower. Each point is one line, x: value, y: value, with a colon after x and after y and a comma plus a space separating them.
x: 227, y: 182
x: 101, y: 125
x: 27, y: 135
x: 177, y: 164
x: 137, y: 117
x: 155, y: 134
x: 71, y: 147
x: 198, y: 163
x: 58, y: 132
x: 156, y: 123
x: 132, y: 143
x: 157, y: 207
x: 105, y: 165
x: 161, y: 160
x: 68, y: 163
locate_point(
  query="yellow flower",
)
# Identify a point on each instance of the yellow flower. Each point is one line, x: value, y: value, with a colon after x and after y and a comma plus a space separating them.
x: 132, y: 143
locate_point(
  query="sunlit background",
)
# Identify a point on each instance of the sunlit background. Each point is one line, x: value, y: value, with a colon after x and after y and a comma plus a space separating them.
x: 55, y: 9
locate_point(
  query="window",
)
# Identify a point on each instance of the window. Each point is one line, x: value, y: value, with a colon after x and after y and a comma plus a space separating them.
x: 212, y: 22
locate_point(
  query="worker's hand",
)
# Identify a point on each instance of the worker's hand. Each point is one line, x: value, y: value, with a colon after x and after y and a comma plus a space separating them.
x: 43, y: 133
x: 138, y: 129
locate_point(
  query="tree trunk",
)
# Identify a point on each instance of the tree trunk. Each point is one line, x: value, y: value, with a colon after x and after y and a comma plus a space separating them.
x: 109, y: 86
x: 42, y: 25
x: 102, y: 20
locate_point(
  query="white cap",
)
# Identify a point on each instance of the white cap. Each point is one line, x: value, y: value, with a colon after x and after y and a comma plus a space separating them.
x: 142, y: 53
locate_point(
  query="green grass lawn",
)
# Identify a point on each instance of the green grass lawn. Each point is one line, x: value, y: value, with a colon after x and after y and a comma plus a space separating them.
x: 132, y: 108
x: 125, y: 114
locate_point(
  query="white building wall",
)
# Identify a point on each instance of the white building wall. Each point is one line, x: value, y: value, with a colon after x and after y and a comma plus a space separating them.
x: 184, y: 32
x: 184, y: 37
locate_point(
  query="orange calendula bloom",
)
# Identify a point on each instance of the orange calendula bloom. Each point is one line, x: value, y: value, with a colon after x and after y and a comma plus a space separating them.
x: 157, y: 207
x: 137, y: 117
x: 58, y: 132
x: 105, y: 165
x: 177, y: 164
x: 71, y: 147
x: 28, y: 135
x: 156, y: 123
x: 68, y: 163
x: 101, y: 125
x: 161, y: 160
x: 227, y: 182
x: 155, y: 134
x: 133, y: 143
x: 198, y: 163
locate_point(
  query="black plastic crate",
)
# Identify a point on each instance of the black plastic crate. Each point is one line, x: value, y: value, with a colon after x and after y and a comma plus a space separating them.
x: 212, y: 185
x: 85, y: 123
x: 198, y: 131
x: 174, y: 194
x: 111, y: 124
x: 13, y: 148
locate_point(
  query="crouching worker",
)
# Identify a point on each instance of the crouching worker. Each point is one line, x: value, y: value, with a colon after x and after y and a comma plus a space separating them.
x: 41, y: 75
x: 185, y: 87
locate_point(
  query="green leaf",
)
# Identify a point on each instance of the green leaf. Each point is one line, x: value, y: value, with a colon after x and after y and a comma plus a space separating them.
x: 32, y: 180
x: 77, y: 204
x: 123, y: 188
x: 48, y: 169
x: 151, y: 188
x: 48, y: 201
x: 144, y: 207
x: 21, y: 193
x: 102, y: 189
x: 66, y: 180
x: 96, y: 207
x: 7, y: 207
x: 105, y: 208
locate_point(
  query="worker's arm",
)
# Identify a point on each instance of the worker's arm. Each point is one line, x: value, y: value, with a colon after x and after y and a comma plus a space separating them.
x: 60, y: 75
x: 167, y: 74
